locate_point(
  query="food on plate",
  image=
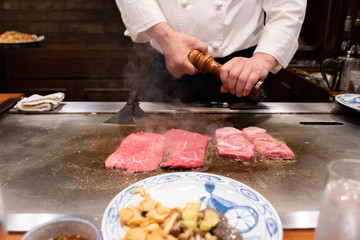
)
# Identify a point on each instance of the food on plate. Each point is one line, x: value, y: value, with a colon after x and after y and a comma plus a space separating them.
x: 190, y: 214
x: 232, y: 143
x: 150, y: 220
x: 186, y: 149
x: 266, y: 145
x: 16, y: 37
x: 210, y: 221
x: 225, y: 231
x: 138, y: 152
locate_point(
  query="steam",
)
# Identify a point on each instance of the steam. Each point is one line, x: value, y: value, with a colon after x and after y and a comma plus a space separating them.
x: 135, y: 72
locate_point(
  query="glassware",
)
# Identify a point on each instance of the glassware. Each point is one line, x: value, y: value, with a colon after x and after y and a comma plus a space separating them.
x: 345, y: 77
x: 340, y: 203
x: 346, y: 41
x: 351, y: 76
x: 3, y: 231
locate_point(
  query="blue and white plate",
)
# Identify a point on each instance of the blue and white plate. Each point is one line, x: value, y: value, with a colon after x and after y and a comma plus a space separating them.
x: 245, y: 208
x: 349, y: 100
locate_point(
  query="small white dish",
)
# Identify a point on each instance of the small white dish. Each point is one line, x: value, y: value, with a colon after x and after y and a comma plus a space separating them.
x: 62, y: 227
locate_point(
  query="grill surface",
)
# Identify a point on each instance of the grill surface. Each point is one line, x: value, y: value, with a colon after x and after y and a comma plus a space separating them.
x: 53, y: 164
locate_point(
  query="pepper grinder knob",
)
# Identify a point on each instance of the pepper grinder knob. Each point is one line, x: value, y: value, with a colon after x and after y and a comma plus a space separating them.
x: 206, y: 64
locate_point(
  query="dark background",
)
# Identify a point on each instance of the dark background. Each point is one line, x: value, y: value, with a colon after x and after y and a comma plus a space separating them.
x: 65, y: 21
x: 86, y: 55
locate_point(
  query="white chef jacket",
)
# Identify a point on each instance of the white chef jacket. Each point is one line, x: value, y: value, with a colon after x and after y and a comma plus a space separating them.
x: 226, y: 26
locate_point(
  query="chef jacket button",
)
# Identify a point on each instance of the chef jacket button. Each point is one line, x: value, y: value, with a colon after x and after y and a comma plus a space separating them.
x: 219, y: 6
x: 184, y: 4
x: 216, y: 45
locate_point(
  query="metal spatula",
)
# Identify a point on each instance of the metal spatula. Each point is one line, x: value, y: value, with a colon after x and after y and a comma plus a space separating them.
x: 130, y: 111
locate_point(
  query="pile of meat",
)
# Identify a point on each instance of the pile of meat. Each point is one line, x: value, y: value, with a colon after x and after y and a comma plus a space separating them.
x: 183, y: 149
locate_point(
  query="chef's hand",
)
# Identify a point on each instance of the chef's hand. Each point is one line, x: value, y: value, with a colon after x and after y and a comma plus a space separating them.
x: 239, y: 75
x: 176, y: 47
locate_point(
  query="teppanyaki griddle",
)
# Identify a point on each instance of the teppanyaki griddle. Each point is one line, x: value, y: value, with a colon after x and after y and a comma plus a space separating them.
x: 52, y: 164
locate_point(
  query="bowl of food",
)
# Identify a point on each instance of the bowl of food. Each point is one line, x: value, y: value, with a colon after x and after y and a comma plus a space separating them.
x: 66, y: 228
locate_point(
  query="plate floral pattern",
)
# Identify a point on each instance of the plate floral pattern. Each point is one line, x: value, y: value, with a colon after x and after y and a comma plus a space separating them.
x: 349, y: 100
x: 245, y: 208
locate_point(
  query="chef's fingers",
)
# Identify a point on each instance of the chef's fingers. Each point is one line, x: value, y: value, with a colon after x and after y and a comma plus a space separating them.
x: 173, y: 65
x: 224, y: 74
x: 202, y: 47
x: 179, y: 65
x: 242, y: 81
x: 185, y: 68
x: 176, y: 51
x: 189, y: 68
x: 233, y: 78
x: 224, y: 89
x: 257, y: 73
x: 252, y: 79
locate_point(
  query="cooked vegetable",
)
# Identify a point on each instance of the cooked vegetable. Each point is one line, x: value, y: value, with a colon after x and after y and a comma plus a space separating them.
x: 210, y: 221
x: 131, y: 215
x: 150, y: 220
x: 190, y: 214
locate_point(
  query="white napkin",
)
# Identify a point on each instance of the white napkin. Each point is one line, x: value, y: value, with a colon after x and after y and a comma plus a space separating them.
x: 38, y: 103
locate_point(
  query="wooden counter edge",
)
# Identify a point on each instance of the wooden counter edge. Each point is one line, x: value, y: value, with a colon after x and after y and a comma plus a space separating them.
x: 5, y: 96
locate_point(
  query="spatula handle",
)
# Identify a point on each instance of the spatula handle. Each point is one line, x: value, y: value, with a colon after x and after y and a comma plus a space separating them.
x: 206, y: 64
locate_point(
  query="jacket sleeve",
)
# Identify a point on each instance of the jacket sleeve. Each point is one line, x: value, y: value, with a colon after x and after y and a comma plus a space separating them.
x: 138, y: 16
x: 283, y: 23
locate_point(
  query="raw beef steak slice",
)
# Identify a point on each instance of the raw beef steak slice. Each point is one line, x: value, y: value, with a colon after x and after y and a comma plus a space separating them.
x: 186, y: 149
x: 138, y: 152
x: 222, y: 132
x: 232, y: 143
x: 266, y: 145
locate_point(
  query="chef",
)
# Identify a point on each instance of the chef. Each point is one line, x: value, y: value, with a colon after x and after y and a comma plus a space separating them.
x: 250, y: 38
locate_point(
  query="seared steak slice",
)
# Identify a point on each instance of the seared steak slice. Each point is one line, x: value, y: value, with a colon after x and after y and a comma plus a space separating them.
x: 266, y: 145
x: 138, y: 152
x: 186, y: 149
x: 232, y: 143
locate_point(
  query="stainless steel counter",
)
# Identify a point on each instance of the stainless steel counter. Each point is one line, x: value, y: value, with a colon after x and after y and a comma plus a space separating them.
x: 270, y: 107
x: 52, y: 164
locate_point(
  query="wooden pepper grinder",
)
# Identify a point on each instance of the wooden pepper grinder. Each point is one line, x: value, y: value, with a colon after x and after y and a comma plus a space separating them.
x: 206, y: 64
